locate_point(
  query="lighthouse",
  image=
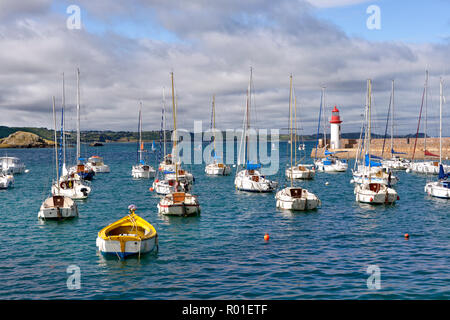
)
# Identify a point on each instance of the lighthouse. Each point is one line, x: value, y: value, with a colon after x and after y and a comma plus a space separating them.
x: 335, y: 128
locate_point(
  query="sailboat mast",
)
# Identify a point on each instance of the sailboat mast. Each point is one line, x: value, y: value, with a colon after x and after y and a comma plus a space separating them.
x: 369, y: 121
x: 324, y: 122
x: 140, y: 132
x: 290, y: 121
x: 440, y: 122
x: 426, y: 112
x: 214, y: 122
x: 249, y: 100
x: 78, y: 116
x: 392, y: 119
x: 295, y: 128
x: 164, y: 120
x: 56, y: 144
x: 63, y: 120
x: 174, y: 128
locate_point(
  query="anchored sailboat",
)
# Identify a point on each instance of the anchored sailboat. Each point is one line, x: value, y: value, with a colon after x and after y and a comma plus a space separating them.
x: 141, y: 170
x: 370, y: 188
x: 178, y: 202
x: 58, y: 206
x: 250, y: 178
x: 395, y: 162
x: 295, y: 198
x: 331, y: 163
x: 217, y: 167
x: 298, y: 170
x: 440, y: 188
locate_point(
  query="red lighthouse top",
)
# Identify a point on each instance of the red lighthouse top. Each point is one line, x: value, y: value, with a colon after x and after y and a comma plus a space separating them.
x: 335, y: 116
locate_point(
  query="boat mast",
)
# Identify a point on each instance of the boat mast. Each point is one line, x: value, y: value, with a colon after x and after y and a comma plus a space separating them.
x: 392, y: 119
x: 295, y: 127
x: 175, y: 129
x: 214, y: 123
x: 324, y: 123
x: 140, y: 149
x: 78, y: 116
x: 164, y: 121
x: 56, y: 144
x: 369, y: 121
x: 63, y: 120
x: 290, y: 121
x: 249, y: 100
x: 440, y: 122
x: 426, y: 113
x: 318, y: 125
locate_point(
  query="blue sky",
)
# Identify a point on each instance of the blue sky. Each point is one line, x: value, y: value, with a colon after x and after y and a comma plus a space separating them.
x: 401, y: 20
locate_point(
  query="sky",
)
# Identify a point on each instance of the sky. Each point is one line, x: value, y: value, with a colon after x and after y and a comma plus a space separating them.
x: 126, y: 51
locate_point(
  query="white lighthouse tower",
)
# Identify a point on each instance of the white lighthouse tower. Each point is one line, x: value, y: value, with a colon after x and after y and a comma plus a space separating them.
x: 335, y: 128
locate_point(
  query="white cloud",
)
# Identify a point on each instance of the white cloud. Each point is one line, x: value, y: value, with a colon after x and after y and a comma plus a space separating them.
x: 336, y: 3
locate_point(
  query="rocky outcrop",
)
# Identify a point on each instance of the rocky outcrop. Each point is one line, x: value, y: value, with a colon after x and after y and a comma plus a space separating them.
x: 21, y: 139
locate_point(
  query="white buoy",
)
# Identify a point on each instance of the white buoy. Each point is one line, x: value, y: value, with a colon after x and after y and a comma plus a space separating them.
x: 27, y: 170
x: 351, y: 181
x: 234, y: 166
x: 327, y: 183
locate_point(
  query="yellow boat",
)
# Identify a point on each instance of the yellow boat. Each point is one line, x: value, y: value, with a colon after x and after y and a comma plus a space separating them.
x: 130, y: 235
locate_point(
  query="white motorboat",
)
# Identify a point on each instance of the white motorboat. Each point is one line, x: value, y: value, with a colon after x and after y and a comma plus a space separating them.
x: 426, y: 167
x: 249, y: 178
x: 141, y: 170
x: 57, y: 206
x: 216, y: 168
x: 6, y: 180
x: 373, y: 183
x: 178, y: 202
x: 295, y: 198
x: 11, y: 165
x: 440, y: 188
x: 331, y: 164
x: 96, y: 163
x: 182, y: 174
x: 396, y: 163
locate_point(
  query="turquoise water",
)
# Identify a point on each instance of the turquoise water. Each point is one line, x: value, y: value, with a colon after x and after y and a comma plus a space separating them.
x: 222, y: 254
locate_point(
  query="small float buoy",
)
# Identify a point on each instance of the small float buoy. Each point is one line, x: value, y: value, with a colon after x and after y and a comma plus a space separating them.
x: 234, y: 166
x: 266, y: 237
x: 27, y: 170
x: 406, y: 236
x: 151, y: 189
x: 327, y: 183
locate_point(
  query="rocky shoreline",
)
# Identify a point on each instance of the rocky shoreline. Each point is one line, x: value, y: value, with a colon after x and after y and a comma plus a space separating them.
x: 22, y: 139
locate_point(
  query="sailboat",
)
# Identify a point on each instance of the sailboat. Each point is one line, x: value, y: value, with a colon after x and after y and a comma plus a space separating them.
x: 331, y: 162
x: 165, y: 185
x: 295, y: 198
x: 82, y: 170
x: 440, y: 188
x: 370, y: 189
x: 178, y: 202
x: 426, y: 167
x: 57, y: 206
x: 298, y: 170
x: 250, y: 178
x: 395, y: 162
x: 70, y: 182
x: 217, y: 167
x: 141, y: 170
x: 131, y: 235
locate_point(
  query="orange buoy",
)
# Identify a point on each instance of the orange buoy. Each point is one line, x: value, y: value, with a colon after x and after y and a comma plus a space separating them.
x: 151, y: 189
x: 406, y: 236
x: 266, y: 237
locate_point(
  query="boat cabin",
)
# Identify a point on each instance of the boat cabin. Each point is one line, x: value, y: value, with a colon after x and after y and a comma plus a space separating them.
x: 375, y: 187
x: 296, y: 192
